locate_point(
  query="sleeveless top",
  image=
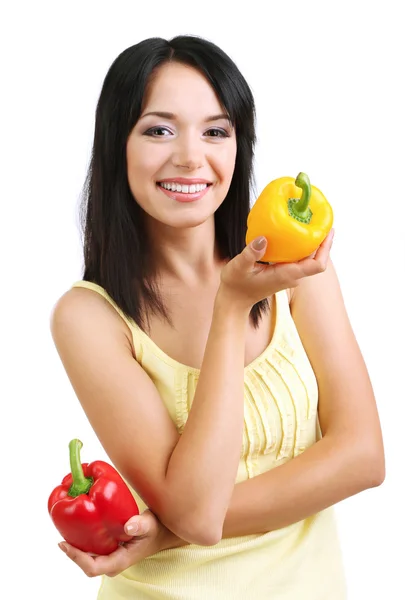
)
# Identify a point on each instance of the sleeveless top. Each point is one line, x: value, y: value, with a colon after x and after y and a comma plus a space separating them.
x: 302, y: 561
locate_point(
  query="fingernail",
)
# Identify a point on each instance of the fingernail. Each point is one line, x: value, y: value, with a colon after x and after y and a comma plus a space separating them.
x: 63, y: 547
x: 259, y: 243
x: 132, y: 528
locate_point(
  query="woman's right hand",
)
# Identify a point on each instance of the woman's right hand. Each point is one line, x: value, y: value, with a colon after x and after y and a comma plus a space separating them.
x: 246, y: 282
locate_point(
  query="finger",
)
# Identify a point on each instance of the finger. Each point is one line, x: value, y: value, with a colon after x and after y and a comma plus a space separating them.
x: 82, y: 559
x: 253, y: 251
x: 134, y: 526
x: 141, y: 525
x: 94, y: 566
x: 321, y: 254
x: 328, y: 241
x: 317, y: 262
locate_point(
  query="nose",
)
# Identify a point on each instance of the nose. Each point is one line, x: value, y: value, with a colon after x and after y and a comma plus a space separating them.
x: 188, y: 153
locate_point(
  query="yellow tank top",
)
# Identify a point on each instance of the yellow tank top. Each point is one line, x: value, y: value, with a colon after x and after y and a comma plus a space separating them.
x: 298, y: 562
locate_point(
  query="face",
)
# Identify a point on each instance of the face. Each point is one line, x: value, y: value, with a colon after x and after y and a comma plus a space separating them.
x: 181, y: 153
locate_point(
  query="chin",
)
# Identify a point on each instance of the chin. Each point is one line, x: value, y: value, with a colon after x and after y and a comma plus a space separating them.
x: 189, y: 221
x: 188, y: 218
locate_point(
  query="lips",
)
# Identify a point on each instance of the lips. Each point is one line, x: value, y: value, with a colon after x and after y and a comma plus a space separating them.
x: 185, y: 181
x: 185, y: 196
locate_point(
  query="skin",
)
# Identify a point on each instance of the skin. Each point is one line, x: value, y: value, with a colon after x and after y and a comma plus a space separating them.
x: 216, y: 336
x: 184, y: 145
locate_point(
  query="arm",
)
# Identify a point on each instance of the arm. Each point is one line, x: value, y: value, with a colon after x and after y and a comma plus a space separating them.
x: 350, y: 456
x: 117, y: 395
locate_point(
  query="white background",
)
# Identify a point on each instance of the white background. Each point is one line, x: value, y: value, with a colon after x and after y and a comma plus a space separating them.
x: 328, y: 82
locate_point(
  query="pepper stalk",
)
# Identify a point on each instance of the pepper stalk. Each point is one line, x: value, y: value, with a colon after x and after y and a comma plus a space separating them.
x: 299, y: 207
x: 81, y: 484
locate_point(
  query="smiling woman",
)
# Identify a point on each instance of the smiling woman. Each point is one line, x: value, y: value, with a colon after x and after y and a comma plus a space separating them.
x: 228, y: 393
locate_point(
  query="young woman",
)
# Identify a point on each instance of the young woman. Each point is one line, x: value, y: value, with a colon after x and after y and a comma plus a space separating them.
x: 231, y: 395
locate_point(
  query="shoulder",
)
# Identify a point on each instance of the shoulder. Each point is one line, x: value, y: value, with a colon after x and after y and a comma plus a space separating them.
x: 84, y: 310
x: 319, y: 312
x: 80, y: 303
x: 322, y: 288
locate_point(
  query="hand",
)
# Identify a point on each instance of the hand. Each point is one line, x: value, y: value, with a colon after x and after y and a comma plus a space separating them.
x: 246, y: 282
x: 150, y: 537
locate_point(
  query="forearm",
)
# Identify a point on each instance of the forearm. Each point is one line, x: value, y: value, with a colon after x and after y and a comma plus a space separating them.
x: 323, y: 475
x: 204, y: 464
x: 320, y: 477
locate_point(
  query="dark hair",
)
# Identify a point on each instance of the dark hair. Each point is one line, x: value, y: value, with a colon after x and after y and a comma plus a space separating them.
x: 114, y: 244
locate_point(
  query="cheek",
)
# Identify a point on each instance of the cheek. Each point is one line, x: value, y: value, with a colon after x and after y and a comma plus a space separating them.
x: 228, y: 164
x: 144, y: 161
x: 139, y: 164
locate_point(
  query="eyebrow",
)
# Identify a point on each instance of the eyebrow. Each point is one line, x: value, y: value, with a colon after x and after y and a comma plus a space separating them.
x: 172, y: 116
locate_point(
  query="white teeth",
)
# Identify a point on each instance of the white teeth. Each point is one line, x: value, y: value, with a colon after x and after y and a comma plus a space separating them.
x: 184, y: 189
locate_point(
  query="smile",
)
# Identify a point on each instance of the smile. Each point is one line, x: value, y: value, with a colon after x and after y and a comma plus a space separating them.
x: 184, y: 193
x: 184, y: 189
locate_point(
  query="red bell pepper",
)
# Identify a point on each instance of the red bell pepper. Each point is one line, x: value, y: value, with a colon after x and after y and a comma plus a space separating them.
x: 92, y: 505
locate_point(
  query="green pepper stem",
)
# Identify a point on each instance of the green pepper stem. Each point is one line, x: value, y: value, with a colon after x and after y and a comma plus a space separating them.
x: 299, y: 209
x: 81, y: 484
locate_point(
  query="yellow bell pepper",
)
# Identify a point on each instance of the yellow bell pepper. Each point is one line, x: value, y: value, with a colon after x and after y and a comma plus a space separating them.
x: 293, y: 216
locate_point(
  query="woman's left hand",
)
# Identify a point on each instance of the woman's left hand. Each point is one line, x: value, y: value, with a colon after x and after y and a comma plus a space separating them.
x: 150, y: 537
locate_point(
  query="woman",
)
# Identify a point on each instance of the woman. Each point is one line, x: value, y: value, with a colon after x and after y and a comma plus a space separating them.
x: 207, y: 375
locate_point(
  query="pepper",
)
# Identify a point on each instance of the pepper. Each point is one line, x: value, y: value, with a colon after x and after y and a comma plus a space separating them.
x: 91, y: 505
x: 294, y: 216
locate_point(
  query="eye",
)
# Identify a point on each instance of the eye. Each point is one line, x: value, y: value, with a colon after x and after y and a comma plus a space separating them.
x: 158, y: 132
x: 217, y: 133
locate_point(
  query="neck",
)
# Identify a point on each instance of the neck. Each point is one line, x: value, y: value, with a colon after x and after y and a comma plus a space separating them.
x: 189, y: 255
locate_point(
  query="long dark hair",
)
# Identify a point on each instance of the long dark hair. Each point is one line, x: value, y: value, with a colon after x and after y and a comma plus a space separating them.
x: 114, y: 244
